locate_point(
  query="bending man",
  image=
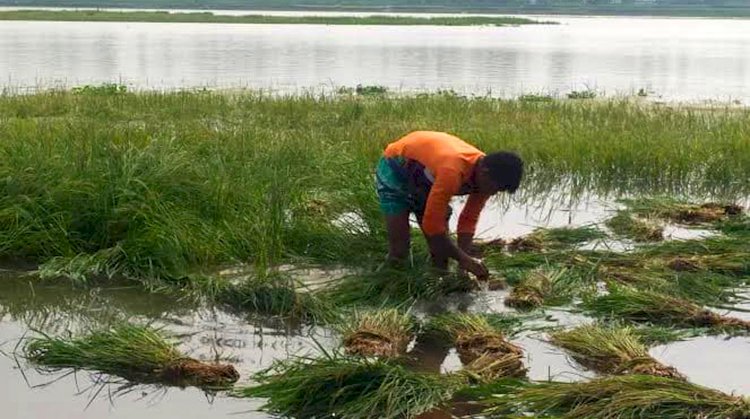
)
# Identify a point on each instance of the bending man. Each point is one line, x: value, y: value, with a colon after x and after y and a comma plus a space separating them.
x: 420, y: 173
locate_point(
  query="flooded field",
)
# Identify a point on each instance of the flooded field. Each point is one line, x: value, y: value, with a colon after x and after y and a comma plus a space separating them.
x: 209, y: 332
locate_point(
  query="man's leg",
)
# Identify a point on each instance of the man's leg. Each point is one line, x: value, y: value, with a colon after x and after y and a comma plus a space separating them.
x: 399, y: 236
x: 394, y: 203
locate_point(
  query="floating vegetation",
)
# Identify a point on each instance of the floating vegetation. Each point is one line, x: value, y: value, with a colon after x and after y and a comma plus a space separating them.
x: 137, y: 353
x: 640, y: 230
x: 611, y: 349
x: 685, y: 212
x: 645, y: 306
x: 480, y: 343
x: 626, y: 396
x: 384, y: 333
x: 349, y: 387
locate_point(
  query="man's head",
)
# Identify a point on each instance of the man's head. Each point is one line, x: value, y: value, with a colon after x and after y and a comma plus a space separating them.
x: 499, y: 172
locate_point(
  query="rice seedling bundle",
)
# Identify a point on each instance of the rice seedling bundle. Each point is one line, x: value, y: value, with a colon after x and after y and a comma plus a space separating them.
x: 611, y: 350
x: 626, y: 396
x: 638, y: 229
x: 685, y: 212
x: 481, y: 347
x: 349, y: 387
x: 137, y: 353
x: 648, y: 306
x: 535, y: 287
x: 730, y: 263
x: 384, y: 333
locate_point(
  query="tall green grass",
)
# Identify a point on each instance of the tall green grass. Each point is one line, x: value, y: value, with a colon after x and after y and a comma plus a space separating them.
x: 160, y: 185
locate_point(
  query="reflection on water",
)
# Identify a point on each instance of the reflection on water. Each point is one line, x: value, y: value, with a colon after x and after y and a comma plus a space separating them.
x: 685, y: 59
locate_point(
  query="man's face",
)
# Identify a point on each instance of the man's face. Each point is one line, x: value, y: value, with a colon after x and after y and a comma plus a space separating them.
x: 485, y: 184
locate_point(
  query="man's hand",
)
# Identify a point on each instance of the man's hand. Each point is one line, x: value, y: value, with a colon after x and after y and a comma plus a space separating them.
x: 475, y: 266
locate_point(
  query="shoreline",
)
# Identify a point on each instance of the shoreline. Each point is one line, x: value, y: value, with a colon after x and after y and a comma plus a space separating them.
x: 258, y: 19
x: 704, y: 13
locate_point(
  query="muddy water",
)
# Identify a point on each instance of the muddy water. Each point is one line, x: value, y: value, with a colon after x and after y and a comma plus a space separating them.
x: 204, y: 333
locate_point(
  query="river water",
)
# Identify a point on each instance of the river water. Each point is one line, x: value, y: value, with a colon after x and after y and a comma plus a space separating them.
x: 672, y: 59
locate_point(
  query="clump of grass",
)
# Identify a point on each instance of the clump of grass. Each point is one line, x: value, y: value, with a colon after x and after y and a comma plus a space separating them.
x: 481, y: 346
x: 544, y: 286
x: 393, y: 286
x: 626, y: 396
x: 529, y: 243
x: 554, y: 238
x: 137, y: 353
x: 270, y: 295
x: 348, y: 387
x: 685, y: 212
x: 611, y: 350
x: 646, y: 306
x: 729, y: 263
x: 640, y: 230
x: 384, y: 333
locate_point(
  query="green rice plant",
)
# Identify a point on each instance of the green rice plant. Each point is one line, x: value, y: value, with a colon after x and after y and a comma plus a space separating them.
x: 626, y: 396
x: 480, y: 343
x: 384, y: 332
x: 137, y: 353
x: 728, y: 263
x: 553, y: 238
x: 394, y: 286
x: 274, y: 298
x: 645, y: 306
x: 684, y: 212
x: 611, y: 349
x: 157, y: 187
x: 626, y: 225
x: 334, y: 385
x: 546, y: 286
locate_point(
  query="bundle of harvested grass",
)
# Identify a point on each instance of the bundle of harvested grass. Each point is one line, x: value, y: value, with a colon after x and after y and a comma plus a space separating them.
x: 653, y: 307
x: 271, y: 296
x: 349, y: 387
x: 475, y: 338
x: 385, y: 333
x: 554, y: 238
x: 729, y: 263
x: 137, y: 353
x: 626, y: 396
x: 611, y: 350
x: 538, y: 286
x: 640, y: 230
x: 530, y: 243
x: 685, y: 212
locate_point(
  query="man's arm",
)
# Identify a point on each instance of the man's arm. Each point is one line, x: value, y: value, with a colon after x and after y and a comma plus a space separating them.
x: 467, y: 222
x: 434, y: 225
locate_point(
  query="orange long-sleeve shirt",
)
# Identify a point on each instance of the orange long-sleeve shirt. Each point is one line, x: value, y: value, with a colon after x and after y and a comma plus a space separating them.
x: 450, y: 161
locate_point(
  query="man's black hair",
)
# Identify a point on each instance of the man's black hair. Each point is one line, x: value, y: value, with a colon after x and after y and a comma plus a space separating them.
x: 505, y: 168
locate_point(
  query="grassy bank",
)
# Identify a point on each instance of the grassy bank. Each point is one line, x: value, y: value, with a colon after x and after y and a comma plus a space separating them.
x: 159, y: 185
x: 208, y: 17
